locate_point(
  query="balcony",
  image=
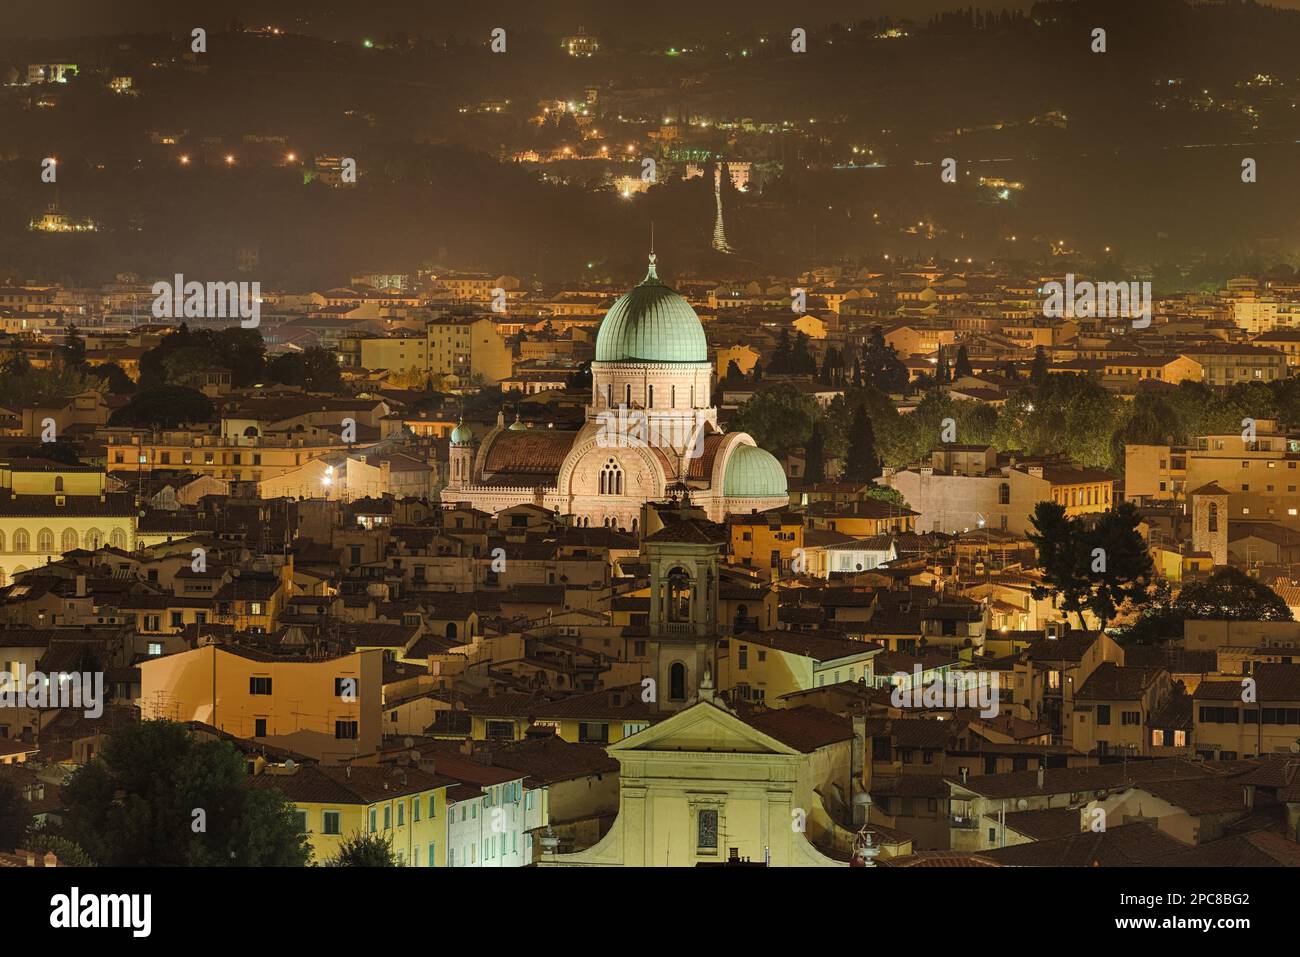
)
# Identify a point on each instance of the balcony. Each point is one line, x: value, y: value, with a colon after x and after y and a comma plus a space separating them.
x: 962, y: 822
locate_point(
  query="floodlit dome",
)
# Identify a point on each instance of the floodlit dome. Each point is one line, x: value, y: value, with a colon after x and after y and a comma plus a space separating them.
x: 753, y: 473
x: 651, y: 323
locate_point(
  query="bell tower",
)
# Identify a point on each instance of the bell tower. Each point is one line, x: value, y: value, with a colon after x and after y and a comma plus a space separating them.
x: 683, y: 558
x: 460, y: 457
x: 1210, y: 522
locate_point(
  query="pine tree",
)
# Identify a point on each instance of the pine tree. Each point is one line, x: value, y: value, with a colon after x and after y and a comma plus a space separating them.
x: 74, y: 349
x: 814, y: 455
x: 1038, y: 371
x: 861, y: 464
x: 783, y: 356
x: 963, y: 366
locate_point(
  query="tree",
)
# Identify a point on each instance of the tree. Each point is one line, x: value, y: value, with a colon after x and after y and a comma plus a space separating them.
x: 887, y: 494
x: 779, y: 418
x: 1091, y: 563
x: 814, y: 455
x: 15, y: 365
x: 1233, y: 595
x: 861, y: 464
x: 114, y: 378
x: 60, y: 450
x: 577, y: 381
x: 364, y: 850
x: 832, y: 370
x: 70, y: 854
x: 157, y: 796
x: 780, y: 362
x: 1119, y: 562
x: 962, y: 367
x: 880, y: 366
x: 164, y: 407
x: 315, y: 369
x: 14, y: 816
x: 802, y: 361
x: 1059, y: 557
x: 73, y: 352
x: 240, y: 350
x: 1227, y: 594
x: 1038, y: 370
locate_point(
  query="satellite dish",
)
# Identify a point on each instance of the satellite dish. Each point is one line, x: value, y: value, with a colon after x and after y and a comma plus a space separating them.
x: 415, y: 756
x: 408, y: 742
x: 1022, y: 805
x: 1295, y: 747
x: 289, y: 764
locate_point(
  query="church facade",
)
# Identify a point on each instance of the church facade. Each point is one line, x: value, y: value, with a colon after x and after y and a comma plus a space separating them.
x: 651, y: 432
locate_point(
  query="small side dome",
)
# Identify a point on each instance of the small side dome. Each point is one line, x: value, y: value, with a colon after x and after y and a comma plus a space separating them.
x: 753, y: 473
x: 461, y: 434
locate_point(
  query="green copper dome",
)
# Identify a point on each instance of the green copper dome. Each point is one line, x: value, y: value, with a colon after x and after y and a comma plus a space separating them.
x: 461, y: 434
x: 753, y: 473
x: 651, y: 323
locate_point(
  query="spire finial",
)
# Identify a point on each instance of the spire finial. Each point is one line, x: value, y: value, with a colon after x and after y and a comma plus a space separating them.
x: 651, y: 273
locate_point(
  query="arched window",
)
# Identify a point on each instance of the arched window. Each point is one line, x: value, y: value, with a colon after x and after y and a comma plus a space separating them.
x: 94, y: 538
x: 609, y: 395
x: 627, y: 401
x: 58, y: 483
x: 672, y: 396
x: 1214, y: 518
x: 679, y: 595
x: 22, y: 541
x: 650, y: 397
x: 117, y: 538
x: 451, y: 629
x: 611, y: 479
x: 69, y: 540
x: 677, y: 682
x: 45, y: 540
x: 2, y: 541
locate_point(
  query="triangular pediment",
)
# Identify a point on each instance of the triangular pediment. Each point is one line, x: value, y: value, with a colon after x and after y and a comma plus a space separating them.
x: 704, y: 728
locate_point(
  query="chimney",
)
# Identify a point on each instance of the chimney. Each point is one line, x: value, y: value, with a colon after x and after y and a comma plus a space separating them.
x: 1248, y: 796
x: 965, y: 774
x: 1041, y: 773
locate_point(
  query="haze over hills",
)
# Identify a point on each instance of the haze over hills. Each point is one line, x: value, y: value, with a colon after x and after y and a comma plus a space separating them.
x: 1182, y: 95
